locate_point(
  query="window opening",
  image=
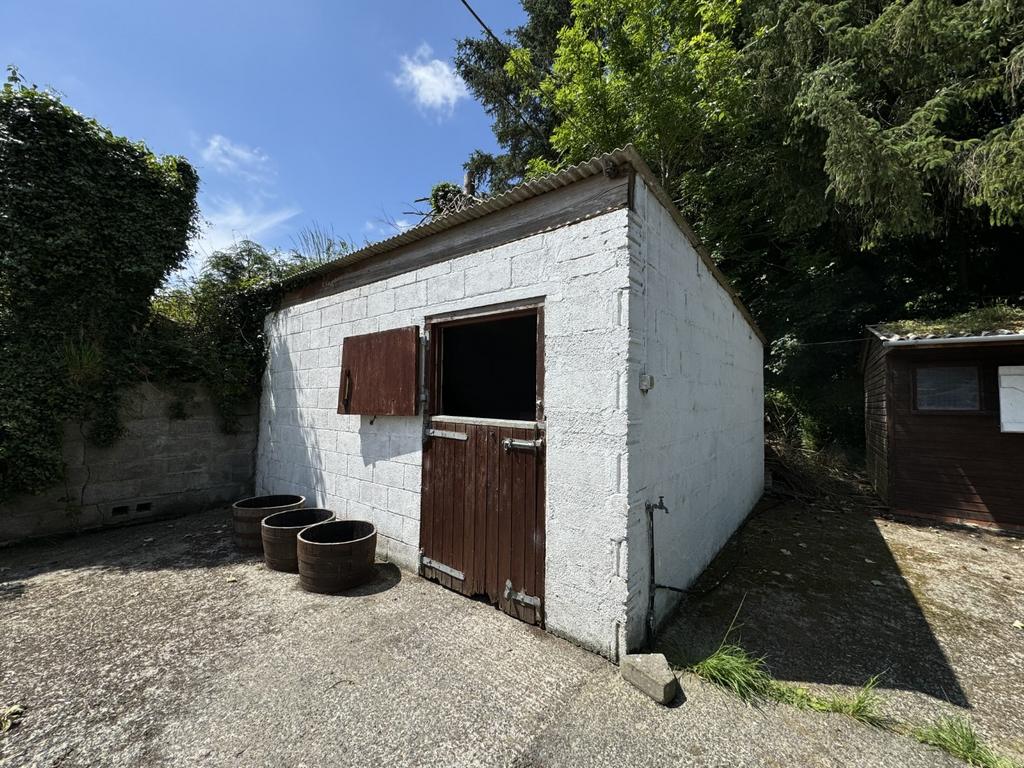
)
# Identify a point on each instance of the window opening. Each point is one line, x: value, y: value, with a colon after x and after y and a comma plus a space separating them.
x: 488, y: 368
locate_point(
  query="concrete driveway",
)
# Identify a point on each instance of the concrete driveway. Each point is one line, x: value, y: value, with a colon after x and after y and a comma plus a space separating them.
x: 158, y: 645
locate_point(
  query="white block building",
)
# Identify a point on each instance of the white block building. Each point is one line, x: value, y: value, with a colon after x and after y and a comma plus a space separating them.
x: 507, y: 393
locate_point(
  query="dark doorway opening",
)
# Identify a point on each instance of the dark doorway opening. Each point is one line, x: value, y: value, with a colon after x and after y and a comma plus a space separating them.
x: 488, y: 368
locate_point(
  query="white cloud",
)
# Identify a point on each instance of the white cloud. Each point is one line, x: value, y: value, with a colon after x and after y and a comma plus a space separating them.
x: 383, y: 228
x: 230, y: 220
x: 225, y: 156
x: 433, y: 83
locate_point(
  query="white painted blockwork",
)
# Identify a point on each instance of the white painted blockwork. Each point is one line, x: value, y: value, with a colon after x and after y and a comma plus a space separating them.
x: 624, y: 294
x: 372, y: 471
x: 697, y: 438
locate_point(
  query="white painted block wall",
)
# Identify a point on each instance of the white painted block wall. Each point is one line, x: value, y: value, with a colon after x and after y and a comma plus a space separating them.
x: 372, y: 471
x: 697, y: 438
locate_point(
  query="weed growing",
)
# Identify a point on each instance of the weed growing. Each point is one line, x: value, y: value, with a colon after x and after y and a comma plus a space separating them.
x: 957, y: 736
x: 9, y: 717
x: 747, y: 677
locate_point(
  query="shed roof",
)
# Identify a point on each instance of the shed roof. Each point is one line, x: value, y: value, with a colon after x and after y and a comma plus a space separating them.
x: 1000, y: 322
x: 609, y: 163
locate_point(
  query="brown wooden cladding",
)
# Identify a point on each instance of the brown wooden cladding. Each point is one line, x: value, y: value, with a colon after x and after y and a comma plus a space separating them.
x: 876, y: 432
x: 482, y: 513
x: 954, y: 467
x: 379, y: 373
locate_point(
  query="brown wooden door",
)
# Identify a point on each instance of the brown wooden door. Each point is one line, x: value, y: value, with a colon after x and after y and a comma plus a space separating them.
x: 482, y: 513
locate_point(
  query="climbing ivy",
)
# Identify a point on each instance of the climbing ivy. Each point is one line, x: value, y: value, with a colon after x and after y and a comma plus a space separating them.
x: 91, y: 224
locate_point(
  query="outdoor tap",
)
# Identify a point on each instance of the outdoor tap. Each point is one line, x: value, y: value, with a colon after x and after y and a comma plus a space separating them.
x: 660, y: 505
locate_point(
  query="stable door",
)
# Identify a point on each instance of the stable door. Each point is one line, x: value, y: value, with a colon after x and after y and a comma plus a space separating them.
x: 482, y: 513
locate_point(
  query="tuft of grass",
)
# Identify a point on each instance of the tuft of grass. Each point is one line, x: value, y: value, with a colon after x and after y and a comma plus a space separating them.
x: 747, y: 677
x: 9, y: 717
x: 957, y: 736
x: 737, y: 671
x: 864, y: 705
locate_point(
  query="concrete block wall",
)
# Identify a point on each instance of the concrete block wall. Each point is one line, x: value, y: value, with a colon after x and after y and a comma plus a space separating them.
x: 370, y: 469
x: 697, y: 438
x: 160, y: 467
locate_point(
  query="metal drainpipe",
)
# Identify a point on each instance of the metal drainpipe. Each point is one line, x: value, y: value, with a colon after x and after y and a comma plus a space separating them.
x: 649, y: 508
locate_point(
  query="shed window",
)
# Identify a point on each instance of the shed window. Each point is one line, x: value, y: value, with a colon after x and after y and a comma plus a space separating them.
x: 488, y: 368
x: 947, y: 388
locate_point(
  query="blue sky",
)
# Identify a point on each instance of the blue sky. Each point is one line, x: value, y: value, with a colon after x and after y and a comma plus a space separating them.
x: 338, y: 112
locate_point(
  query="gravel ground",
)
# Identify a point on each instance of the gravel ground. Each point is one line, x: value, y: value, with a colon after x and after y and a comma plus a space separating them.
x: 831, y: 599
x: 160, y: 646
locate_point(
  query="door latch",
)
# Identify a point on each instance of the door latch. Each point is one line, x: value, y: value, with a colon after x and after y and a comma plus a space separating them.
x: 510, y: 444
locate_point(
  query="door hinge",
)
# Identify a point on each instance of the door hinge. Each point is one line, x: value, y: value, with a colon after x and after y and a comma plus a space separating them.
x: 447, y: 434
x: 441, y: 567
x: 520, y: 597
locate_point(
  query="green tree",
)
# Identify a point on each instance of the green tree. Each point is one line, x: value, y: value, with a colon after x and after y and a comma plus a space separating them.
x: 845, y: 162
x: 661, y: 74
x: 855, y: 194
x: 522, y: 122
x: 210, y: 329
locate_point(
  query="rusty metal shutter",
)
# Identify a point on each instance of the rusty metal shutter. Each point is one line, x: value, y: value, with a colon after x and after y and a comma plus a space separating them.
x: 379, y: 373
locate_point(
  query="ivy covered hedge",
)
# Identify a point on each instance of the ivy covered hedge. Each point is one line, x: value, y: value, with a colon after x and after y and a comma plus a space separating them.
x: 91, y: 224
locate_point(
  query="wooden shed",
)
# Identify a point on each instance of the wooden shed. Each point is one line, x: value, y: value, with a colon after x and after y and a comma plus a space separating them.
x: 944, y: 423
x: 550, y: 400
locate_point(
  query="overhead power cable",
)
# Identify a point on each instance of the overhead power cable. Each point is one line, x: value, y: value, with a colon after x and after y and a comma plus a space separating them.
x: 538, y: 71
x: 508, y: 102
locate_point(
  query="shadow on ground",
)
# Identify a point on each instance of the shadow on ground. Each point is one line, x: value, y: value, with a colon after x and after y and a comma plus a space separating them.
x: 201, y: 540
x: 387, y: 576
x: 822, y: 598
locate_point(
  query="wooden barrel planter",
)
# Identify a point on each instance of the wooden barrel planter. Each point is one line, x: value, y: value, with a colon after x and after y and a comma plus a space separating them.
x: 279, y: 532
x: 336, y: 555
x: 249, y: 513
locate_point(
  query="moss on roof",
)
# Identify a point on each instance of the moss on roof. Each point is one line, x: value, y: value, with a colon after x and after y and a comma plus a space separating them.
x: 999, y: 317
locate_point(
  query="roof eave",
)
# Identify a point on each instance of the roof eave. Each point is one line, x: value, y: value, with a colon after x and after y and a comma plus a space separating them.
x: 953, y: 340
x: 607, y: 163
x: 604, y: 163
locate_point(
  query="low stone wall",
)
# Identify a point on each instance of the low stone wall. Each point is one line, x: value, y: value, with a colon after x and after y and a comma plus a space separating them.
x: 161, y: 467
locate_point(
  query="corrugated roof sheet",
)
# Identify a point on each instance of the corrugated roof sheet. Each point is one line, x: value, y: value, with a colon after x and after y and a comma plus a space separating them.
x: 517, y: 194
x: 982, y: 323
x: 885, y: 335
x: 529, y: 189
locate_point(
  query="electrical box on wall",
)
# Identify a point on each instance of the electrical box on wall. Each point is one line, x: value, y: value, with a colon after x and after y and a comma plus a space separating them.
x: 646, y: 382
